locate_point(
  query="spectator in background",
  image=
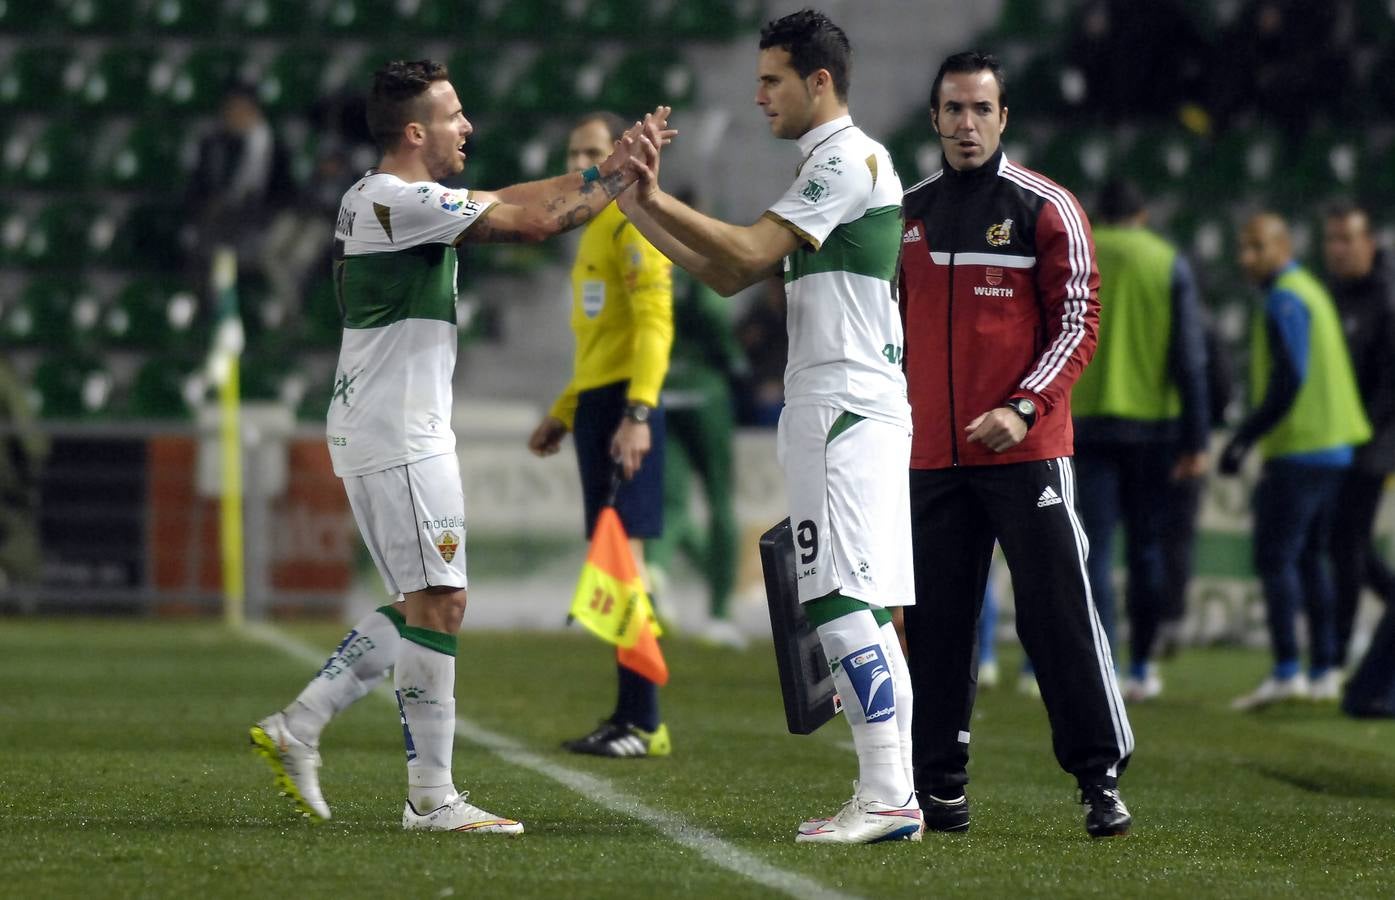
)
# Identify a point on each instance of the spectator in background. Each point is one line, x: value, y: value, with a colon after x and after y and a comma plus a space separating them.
x: 1141, y: 417
x: 241, y: 180
x: 622, y: 317
x: 699, y: 410
x: 23, y: 448
x: 1148, y: 58
x: 764, y: 336
x: 1307, y: 418
x: 1360, y: 282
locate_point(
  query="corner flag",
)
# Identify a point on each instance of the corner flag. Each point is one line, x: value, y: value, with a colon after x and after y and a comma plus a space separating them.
x: 610, y: 600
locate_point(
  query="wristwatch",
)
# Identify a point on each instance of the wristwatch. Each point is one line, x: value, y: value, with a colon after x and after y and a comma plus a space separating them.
x: 1024, y: 408
x: 638, y: 412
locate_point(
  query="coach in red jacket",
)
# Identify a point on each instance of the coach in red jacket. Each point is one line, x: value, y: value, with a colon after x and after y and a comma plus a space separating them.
x: 999, y: 294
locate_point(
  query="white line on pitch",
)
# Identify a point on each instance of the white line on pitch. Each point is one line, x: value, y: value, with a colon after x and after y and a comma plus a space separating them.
x: 599, y: 791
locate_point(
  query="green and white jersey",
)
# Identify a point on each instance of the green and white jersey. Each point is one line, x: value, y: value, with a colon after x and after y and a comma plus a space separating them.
x: 394, y: 273
x: 843, y: 318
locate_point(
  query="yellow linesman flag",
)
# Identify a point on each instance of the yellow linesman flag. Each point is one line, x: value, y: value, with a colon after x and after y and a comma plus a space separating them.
x: 610, y: 600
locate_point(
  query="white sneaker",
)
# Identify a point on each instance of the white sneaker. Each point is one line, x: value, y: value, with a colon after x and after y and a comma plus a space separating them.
x: 1327, y: 687
x: 988, y: 674
x: 865, y: 822
x: 1027, y: 685
x: 457, y: 815
x: 724, y: 633
x: 1141, y: 690
x: 295, y: 763
x: 1273, y: 690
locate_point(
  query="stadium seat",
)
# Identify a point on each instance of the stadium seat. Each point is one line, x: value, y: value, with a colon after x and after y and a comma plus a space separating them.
x: 59, y: 313
x: 164, y: 387
x: 711, y: 20
x: 269, y: 18
x: 611, y: 18
x: 1080, y: 161
x: 148, y: 239
x: 357, y: 18
x: 631, y: 86
x: 57, y: 236
x: 56, y: 157
x: 432, y: 18
x: 26, y: 16
x: 158, y: 315
x: 118, y: 81
x: 1161, y: 160
x: 98, y: 17
x: 528, y: 18
x: 473, y: 72
x: 549, y: 86
x: 1205, y: 234
x: 73, y: 387
x: 182, y: 17
x: 30, y: 80
x: 147, y: 156
x: 293, y: 81
x: 196, y: 85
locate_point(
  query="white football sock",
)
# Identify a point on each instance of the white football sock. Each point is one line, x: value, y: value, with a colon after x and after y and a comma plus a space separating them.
x: 905, y: 698
x: 360, y: 662
x: 864, y: 678
x: 425, y: 682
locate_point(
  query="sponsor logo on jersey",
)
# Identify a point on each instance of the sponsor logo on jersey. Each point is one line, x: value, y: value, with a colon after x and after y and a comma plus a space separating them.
x: 814, y: 190
x: 451, y: 201
x: 830, y: 165
x: 1000, y: 235
x: 993, y: 275
x: 344, y: 388
x: 862, y: 571
x: 447, y: 544
x: 981, y: 291
x: 345, y: 225
x: 912, y: 235
x: 443, y: 523
x: 592, y: 298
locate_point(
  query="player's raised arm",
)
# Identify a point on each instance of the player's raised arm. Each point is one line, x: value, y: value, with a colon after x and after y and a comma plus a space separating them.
x: 725, y: 257
x: 538, y: 210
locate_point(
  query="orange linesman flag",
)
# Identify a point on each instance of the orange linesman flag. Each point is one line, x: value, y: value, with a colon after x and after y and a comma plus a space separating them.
x: 610, y: 600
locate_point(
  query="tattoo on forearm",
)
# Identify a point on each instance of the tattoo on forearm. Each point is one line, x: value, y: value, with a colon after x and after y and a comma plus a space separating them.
x: 578, y: 215
x: 612, y: 184
x: 484, y: 233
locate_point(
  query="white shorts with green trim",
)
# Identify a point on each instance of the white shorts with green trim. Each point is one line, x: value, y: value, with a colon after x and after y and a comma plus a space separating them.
x: 412, y: 518
x: 848, y: 482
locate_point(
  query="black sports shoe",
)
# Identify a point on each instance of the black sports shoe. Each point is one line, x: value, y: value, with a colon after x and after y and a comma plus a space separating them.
x: 623, y: 741
x: 603, y: 733
x: 1105, y: 812
x: 945, y: 815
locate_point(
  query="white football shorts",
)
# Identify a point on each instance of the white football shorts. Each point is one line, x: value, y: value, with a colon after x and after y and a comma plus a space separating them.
x: 412, y: 518
x: 848, y: 482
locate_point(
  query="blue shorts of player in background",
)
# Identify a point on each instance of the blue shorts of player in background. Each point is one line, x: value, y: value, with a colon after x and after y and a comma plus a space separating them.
x: 640, y: 500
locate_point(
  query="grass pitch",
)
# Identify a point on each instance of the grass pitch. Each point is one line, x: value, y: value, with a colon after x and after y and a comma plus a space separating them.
x: 124, y: 771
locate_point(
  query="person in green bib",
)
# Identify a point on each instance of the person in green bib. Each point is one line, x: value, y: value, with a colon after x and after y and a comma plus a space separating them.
x: 1307, y: 419
x: 1141, y: 417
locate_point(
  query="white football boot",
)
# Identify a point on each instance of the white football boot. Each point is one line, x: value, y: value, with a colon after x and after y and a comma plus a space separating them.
x: 458, y: 815
x: 865, y: 822
x: 1327, y: 687
x: 295, y: 763
x: 1273, y: 690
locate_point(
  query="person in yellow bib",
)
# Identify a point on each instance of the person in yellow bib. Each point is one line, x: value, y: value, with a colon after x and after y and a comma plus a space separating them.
x: 1307, y: 418
x: 622, y: 317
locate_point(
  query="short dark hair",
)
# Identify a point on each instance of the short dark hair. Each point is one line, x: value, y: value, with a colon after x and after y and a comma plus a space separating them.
x: 1340, y: 209
x: 969, y: 61
x: 1119, y: 199
x: 612, y: 122
x: 396, y: 98
x: 813, y: 43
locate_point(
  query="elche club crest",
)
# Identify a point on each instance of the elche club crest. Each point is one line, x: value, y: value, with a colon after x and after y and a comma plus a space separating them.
x: 447, y: 544
x: 1000, y: 235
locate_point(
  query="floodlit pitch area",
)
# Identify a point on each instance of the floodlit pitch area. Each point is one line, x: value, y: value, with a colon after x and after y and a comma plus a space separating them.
x: 126, y: 773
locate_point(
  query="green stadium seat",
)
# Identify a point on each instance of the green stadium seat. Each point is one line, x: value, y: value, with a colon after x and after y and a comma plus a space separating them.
x: 118, y: 81
x: 57, y: 238
x: 147, y: 156
x: 268, y: 378
x: 293, y: 81
x: 164, y: 387
x: 472, y: 72
x: 1205, y: 234
x: 645, y: 77
x: 358, y: 18
x: 148, y: 239
x: 183, y: 17
x: 711, y: 20
x: 196, y: 86
x: 269, y: 18
x: 73, y: 387
x: 611, y: 18
x: 1079, y: 161
x: 60, y: 313
x: 529, y: 18
x: 57, y: 157
x: 1162, y: 160
x: 31, y: 79
x: 26, y: 16
x: 320, y: 324
x: 433, y: 18
x: 98, y: 17
x: 549, y: 86
x: 156, y: 314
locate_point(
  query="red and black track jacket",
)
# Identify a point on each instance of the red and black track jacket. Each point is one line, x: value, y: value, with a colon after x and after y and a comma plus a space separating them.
x: 1000, y: 299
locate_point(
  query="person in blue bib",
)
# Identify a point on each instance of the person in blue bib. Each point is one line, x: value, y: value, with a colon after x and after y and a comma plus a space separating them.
x: 1306, y: 418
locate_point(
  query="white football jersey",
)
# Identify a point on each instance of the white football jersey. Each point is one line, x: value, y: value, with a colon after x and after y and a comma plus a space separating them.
x: 394, y: 273
x: 844, y: 322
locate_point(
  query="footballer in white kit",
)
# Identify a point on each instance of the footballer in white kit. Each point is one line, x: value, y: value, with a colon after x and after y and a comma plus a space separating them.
x: 389, y: 423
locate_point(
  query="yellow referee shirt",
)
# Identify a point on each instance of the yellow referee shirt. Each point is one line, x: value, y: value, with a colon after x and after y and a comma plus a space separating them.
x: 622, y: 313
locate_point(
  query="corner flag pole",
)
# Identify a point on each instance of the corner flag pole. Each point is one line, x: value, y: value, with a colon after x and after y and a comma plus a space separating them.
x: 223, y: 371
